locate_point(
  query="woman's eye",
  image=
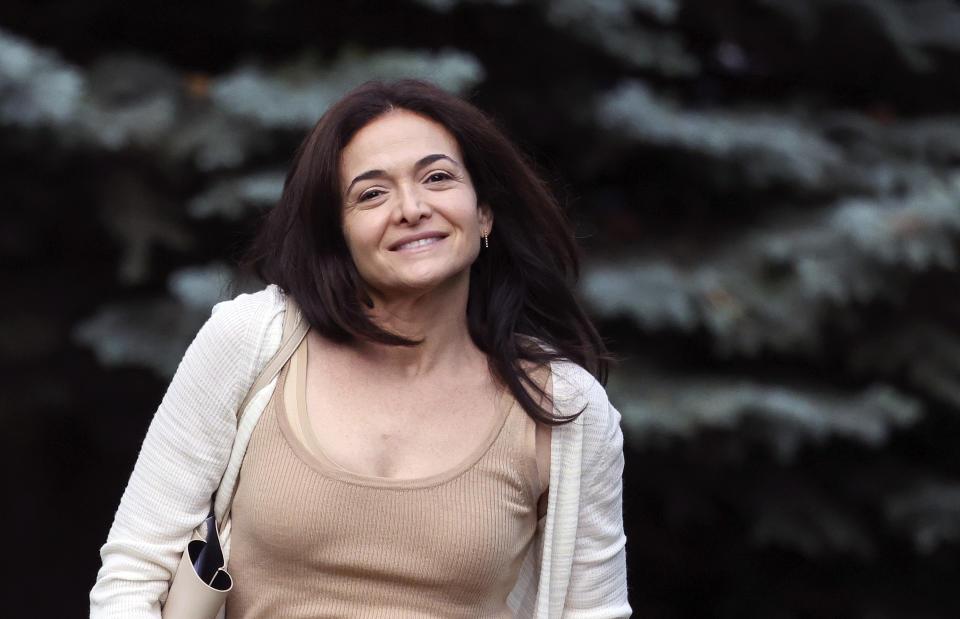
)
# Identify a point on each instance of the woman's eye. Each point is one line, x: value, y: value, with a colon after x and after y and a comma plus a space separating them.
x: 369, y: 195
x: 436, y: 177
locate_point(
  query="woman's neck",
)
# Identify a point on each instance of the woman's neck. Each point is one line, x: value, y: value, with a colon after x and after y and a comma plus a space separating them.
x: 437, y: 319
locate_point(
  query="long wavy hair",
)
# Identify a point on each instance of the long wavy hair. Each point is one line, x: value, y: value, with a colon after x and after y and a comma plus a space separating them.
x: 521, y: 311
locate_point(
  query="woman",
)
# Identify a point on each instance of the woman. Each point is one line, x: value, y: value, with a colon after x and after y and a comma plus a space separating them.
x: 437, y: 446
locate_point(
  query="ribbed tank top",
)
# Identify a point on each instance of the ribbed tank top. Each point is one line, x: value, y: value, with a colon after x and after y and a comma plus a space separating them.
x: 310, y: 539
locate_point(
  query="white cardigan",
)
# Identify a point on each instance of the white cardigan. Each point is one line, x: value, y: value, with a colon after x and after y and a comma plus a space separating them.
x: 576, y: 567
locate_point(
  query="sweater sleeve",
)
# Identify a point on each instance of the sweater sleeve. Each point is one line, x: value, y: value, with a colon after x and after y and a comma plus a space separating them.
x: 598, y: 577
x: 182, y: 459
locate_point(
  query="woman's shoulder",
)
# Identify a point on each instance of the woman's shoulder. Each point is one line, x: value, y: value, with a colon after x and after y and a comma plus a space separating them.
x: 577, y: 391
x: 250, y: 307
x: 247, y: 314
x: 247, y: 324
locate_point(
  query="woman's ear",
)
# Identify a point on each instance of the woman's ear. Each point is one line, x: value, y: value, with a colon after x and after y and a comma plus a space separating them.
x: 485, y: 217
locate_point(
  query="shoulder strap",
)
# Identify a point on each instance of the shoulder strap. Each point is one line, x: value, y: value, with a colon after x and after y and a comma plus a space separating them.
x: 294, y: 330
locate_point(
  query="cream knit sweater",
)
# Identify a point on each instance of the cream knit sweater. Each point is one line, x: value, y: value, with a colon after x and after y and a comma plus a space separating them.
x: 576, y: 568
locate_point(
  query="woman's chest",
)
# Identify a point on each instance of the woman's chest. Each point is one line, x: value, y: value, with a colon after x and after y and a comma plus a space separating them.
x: 473, y: 522
x: 396, y: 429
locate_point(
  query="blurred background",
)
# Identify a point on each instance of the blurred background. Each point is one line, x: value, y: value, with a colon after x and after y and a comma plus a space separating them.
x: 767, y: 193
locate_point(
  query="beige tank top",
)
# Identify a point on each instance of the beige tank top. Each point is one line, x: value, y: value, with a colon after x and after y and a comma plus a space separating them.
x: 311, y: 539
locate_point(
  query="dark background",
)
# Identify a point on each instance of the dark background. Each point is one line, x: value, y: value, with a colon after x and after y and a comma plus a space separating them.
x: 768, y: 197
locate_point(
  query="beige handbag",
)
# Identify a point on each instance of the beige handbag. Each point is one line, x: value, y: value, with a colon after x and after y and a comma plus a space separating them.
x: 201, y: 584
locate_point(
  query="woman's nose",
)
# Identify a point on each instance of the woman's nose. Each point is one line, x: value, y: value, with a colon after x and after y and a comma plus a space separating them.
x: 412, y: 207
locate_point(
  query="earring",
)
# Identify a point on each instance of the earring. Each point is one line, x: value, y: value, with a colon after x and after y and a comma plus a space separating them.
x: 486, y: 241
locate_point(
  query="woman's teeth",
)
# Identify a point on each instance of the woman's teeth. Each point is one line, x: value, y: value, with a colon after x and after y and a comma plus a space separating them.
x: 419, y: 243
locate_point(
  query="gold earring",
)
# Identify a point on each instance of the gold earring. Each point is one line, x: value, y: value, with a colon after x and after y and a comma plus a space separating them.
x: 486, y: 241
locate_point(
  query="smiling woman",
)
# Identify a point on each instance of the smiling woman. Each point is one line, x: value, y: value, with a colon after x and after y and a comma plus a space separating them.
x: 438, y: 443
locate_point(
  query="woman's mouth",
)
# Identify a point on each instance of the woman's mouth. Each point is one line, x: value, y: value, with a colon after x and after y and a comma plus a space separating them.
x: 416, y: 243
x: 419, y: 243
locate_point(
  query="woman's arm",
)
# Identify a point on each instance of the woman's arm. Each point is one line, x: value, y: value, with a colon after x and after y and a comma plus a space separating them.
x: 598, y: 577
x: 182, y: 459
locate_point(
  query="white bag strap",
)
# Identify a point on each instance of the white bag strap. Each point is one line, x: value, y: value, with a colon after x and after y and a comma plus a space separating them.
x: 294, y: 330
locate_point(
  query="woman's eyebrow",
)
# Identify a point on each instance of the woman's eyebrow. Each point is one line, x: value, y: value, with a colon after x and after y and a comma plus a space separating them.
x: 425, y: 161
x: 365, y: 176
x: 431, y: 158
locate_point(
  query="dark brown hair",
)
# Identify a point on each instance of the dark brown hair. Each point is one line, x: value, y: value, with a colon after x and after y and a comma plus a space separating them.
x: 521, y: 305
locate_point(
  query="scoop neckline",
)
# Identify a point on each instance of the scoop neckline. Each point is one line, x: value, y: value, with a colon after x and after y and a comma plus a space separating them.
x: 318, y: 460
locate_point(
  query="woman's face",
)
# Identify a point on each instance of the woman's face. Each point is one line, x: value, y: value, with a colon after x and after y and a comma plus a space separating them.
x: 410, y: 214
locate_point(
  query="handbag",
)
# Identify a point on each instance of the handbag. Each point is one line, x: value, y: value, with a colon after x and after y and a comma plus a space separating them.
x: 201, y: 583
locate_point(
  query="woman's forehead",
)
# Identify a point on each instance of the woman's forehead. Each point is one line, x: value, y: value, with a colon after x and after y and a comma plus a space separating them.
x: 396, y: 138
